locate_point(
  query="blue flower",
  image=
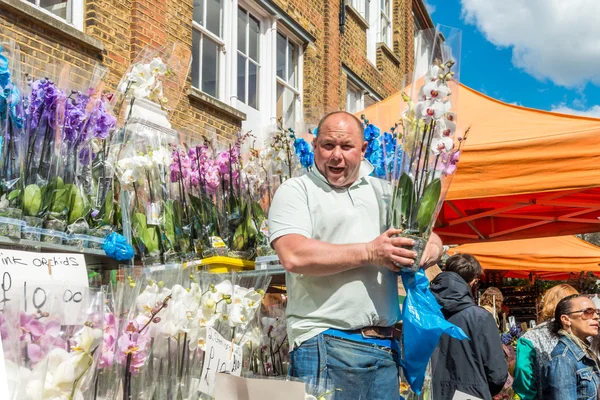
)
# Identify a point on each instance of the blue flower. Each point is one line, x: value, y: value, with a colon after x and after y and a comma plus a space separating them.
x: 315, y: 131
x: 506, y: 338
x: 304, y: 152
x: 371, y: 132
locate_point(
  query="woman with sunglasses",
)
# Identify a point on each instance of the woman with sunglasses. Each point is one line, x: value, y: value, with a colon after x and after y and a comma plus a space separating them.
x: 573, y: 373
x: 535, y: 346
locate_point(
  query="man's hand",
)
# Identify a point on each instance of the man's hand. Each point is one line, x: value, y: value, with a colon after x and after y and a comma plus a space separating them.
x: 433, y: 251
x: 387, y: 250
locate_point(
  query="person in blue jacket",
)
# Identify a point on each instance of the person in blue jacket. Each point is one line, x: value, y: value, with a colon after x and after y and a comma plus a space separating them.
x: 573, y: 373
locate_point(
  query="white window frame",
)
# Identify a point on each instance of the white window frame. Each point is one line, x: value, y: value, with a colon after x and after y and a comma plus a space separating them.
x: 362, y: 6
x: 298, y: 102
x: 362, y: 91
x: 74, y: 7
x: 261, y: 56
x: 385, y: 19
x: 221, y: 44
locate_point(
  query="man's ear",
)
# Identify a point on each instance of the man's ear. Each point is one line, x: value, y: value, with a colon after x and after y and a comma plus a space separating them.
x: 364, y: 148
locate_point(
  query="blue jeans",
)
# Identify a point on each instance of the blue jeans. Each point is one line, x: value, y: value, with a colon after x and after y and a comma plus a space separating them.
x: 360, y: 370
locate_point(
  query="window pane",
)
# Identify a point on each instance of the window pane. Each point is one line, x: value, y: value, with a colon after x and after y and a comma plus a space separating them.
x: 241, y: 81
x: 199, y: 11
x: 281, y: 46
x: 292, y: 64
x: 286, y: 107
x: 60, y: 8
x: 196, y: 58
x: 242, y: 18
x: 254, y: 38
x: 210, y: 67
x: 213, y: 16
x: 252, y: 85
x: 369, y: 101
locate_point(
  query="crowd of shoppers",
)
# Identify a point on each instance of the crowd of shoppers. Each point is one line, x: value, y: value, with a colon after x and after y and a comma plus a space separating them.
x: 555, y: 360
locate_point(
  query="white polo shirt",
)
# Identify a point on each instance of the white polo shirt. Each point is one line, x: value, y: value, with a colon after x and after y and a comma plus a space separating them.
x: 365, y: 296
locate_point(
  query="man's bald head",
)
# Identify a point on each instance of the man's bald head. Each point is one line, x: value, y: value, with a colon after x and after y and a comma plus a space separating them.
x: 342, y: 115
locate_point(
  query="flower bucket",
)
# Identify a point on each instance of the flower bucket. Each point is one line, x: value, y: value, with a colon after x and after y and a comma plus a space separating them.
x: 219, y: 264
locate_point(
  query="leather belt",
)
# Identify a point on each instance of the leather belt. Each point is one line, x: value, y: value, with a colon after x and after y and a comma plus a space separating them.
x: 378, y: 332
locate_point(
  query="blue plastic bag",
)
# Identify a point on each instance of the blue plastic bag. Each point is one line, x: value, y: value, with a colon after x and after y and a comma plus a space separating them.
x: 117, y: 247
x: 422, y: 324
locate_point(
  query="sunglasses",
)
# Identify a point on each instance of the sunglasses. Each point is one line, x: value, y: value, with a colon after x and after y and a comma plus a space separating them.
x: 587, y: 313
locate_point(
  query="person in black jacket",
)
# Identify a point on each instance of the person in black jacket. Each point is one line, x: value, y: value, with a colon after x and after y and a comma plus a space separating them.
x: 477, y: 366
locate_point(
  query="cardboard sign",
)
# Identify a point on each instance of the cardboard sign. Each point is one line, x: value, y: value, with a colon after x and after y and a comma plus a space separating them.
x: 221, y: 356
x: 458, y: 395
x: 41, y: 280
x: 229, y: 387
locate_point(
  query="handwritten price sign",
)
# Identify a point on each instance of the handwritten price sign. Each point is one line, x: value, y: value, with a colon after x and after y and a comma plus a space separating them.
x: 43, y: 281
x: 221, y: 356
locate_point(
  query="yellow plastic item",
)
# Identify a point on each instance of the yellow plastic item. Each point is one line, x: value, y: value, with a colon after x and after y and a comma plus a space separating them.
x: 220, y: 264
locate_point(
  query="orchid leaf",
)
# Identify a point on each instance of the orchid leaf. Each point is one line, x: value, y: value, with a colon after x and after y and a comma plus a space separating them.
x: 150, y: 239
x: 169, y: 222
x: 13, y: 195
x: 239, y: 241
x: 76, y: 203
x: 60, y: 199
x: 108, y: 208
x: 428, y: 204
x: 139, y: 221
x: 404, y: 195
x: 32, y: 200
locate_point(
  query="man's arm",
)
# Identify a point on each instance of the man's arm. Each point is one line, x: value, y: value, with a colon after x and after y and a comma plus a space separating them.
x: 306, y: 256
x: 301, y: 255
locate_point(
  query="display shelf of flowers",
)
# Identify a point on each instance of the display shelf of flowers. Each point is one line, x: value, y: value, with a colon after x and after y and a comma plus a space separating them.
x: 49, y: 139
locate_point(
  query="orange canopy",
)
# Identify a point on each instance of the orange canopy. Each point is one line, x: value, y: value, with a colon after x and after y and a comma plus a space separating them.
x: 549, y: 258
x: 522, y: 173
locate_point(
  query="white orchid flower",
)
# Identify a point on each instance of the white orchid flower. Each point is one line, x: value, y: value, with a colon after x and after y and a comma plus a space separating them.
x: 432, y: 109
x: 156, y: 92
x: 147, y: 300
x: 140, y: 73
x: 441, y: 144
x: 161, y: 156
x: 435, y: 90
x: 87, y: 340
x: 445, y: 127
x: 157, y: 67
x: 434, y: 73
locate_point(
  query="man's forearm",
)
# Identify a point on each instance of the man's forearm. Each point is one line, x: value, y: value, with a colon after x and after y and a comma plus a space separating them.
x: 302, y: 255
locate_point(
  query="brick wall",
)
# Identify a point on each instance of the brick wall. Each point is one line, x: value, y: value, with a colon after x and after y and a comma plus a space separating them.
x: 124, y: 27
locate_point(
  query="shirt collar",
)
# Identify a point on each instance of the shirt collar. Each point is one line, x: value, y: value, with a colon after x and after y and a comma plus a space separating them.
x: 366, y: 168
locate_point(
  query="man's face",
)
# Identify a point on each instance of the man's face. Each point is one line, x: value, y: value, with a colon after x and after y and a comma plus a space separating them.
x: 339, y: 149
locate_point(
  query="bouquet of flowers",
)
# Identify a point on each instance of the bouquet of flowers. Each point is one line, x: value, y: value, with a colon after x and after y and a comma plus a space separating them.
x: 429, y: 150
x: 11, y: 145
x: 142, y: 154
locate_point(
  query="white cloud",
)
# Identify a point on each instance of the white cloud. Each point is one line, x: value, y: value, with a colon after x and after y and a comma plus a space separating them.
x: 593, y: 111
x: 557, y: 40
x: 430, y: 7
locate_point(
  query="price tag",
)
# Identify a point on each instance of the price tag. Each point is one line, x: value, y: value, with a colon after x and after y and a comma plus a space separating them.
x: 40, y: 280
x: 221, y: 356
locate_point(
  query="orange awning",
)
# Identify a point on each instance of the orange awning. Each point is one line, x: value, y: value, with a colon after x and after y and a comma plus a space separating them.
x: 523, y: 173
x: 549, y: 258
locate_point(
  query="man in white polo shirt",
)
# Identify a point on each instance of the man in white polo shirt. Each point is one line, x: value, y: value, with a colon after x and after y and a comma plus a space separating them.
x: 329, y: 229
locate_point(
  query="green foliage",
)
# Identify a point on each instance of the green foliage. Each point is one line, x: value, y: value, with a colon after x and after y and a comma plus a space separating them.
x: 428, y: 204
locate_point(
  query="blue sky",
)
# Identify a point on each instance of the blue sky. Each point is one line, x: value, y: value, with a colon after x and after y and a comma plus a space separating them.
x: 536, y: 53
